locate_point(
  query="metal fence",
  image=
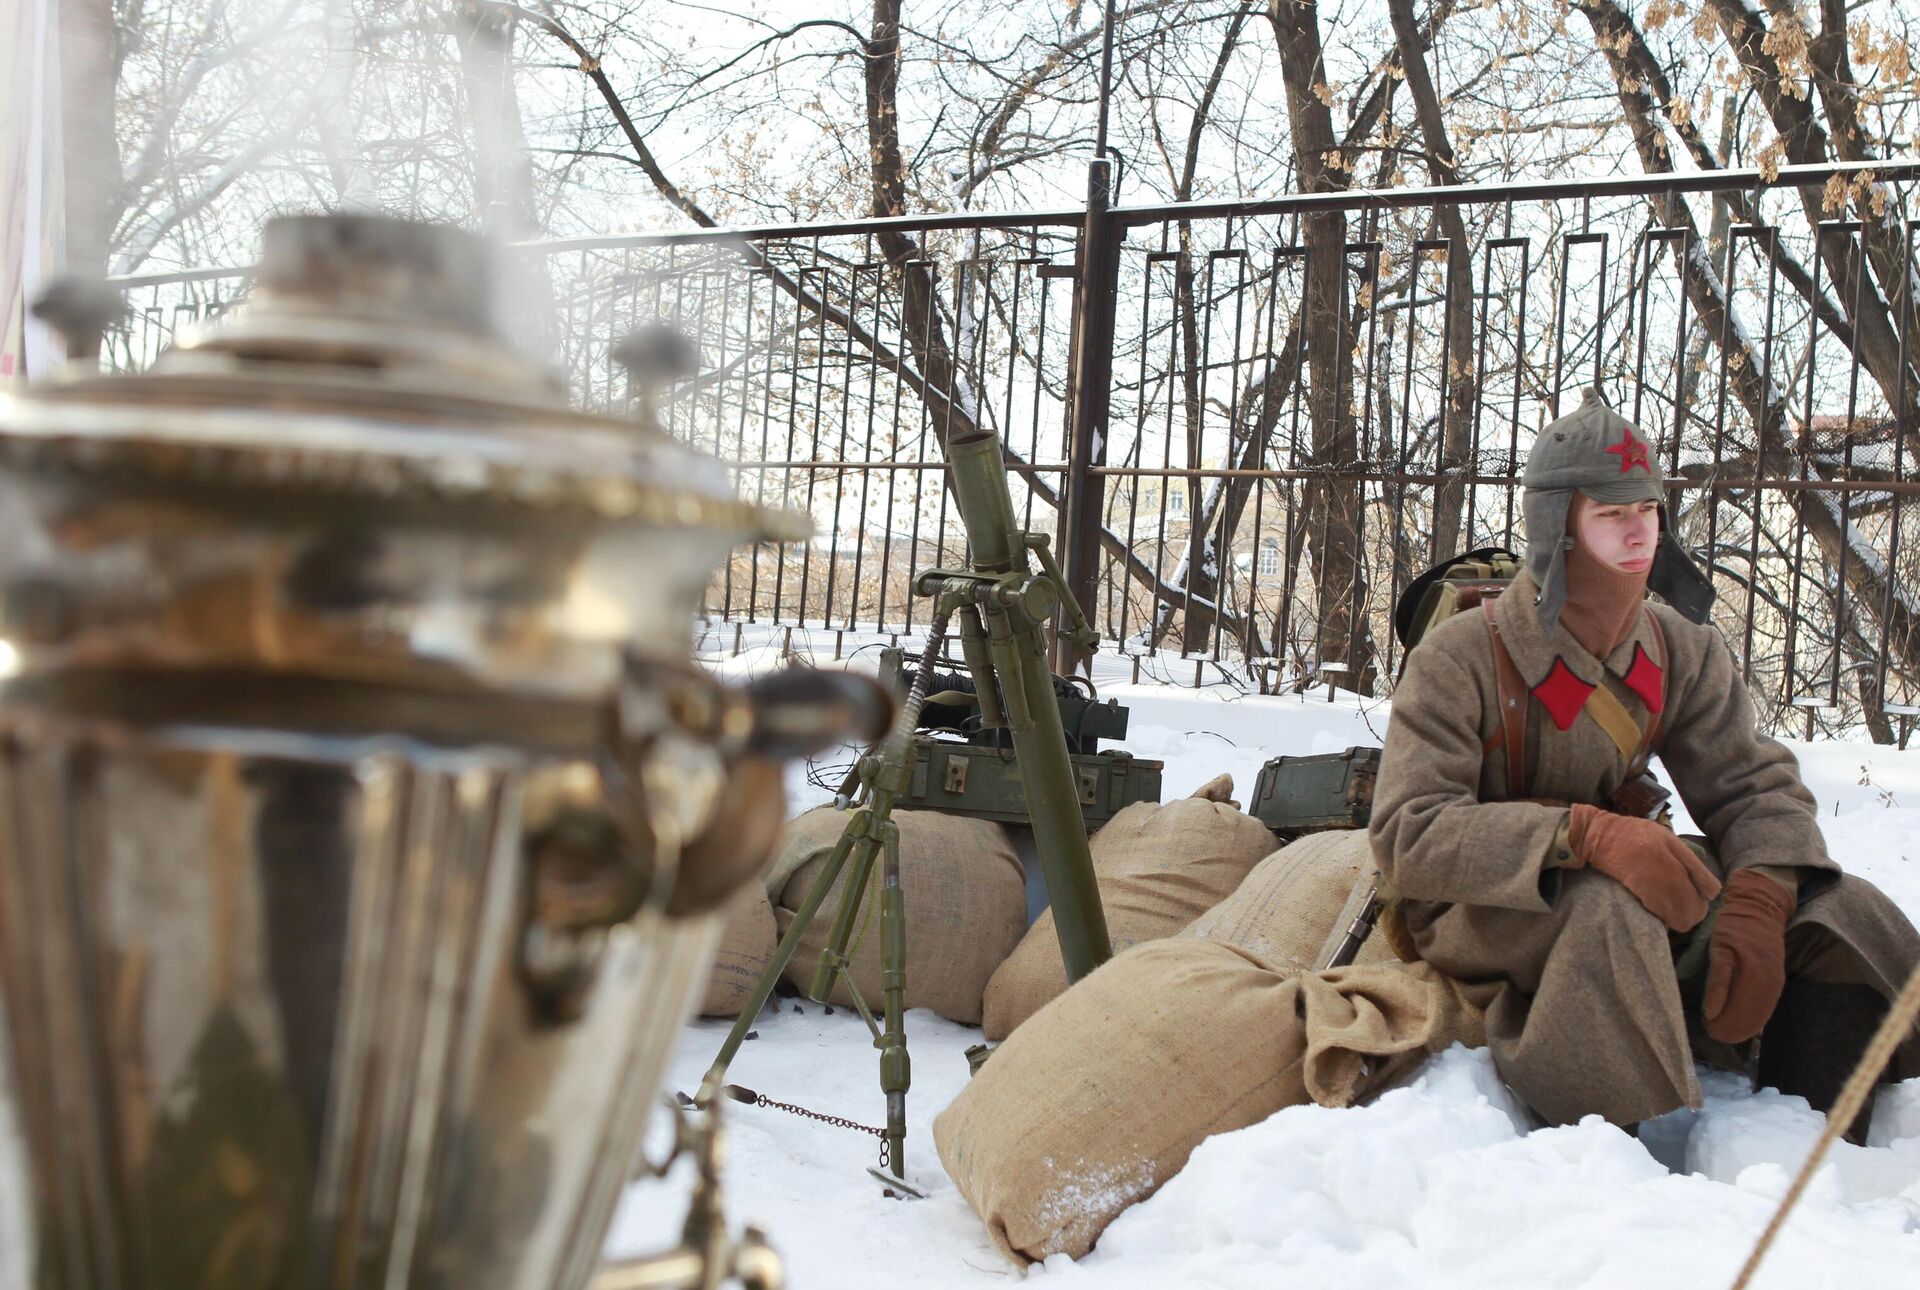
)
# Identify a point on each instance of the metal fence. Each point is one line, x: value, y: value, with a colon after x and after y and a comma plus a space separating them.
x: 1282, y: 411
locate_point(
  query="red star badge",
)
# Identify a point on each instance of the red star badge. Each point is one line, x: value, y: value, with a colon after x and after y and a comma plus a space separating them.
x: 1633, y: 452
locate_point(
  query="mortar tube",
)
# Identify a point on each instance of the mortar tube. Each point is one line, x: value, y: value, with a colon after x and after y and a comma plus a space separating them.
x: 1053, y: 796
x: 986, y: 507
x: 1017, y: 645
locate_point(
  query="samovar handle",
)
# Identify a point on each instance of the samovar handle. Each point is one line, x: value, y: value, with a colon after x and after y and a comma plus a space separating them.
x: 591, y: 858
x: 761, y: 726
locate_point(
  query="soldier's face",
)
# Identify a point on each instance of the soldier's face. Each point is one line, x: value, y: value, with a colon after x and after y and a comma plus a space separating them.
x: 1620, y: 536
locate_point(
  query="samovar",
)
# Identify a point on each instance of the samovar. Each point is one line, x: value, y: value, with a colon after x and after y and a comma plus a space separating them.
x: 363, y: 816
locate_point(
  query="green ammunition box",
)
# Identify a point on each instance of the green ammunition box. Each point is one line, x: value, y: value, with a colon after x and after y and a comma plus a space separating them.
x: 967, y: 779
x: 1296, y: 795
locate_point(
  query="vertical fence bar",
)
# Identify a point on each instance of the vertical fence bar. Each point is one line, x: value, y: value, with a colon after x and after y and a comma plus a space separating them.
x: 1090, y: 389
x: 1904, y: 709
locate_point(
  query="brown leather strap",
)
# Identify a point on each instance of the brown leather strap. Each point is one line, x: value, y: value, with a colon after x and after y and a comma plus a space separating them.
x: 1513, y: 708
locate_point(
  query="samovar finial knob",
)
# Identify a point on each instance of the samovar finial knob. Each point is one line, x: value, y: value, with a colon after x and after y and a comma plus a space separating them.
x: 655, y: 356
x: 81, y: 309
x: 658, y: 351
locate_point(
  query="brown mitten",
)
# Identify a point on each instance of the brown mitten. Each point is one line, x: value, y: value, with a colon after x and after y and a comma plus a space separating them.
x: 1747, y: 957
x: 1647, y: 859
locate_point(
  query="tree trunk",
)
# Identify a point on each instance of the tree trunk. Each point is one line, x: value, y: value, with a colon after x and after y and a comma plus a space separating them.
x: 1839, y: 91
x: 1334, y: 503
x: 936, y: 395
x: 1254, y: 423
x: 922, y: 321
x: 1458, y: 377
x: 954, y: 408
x: 1806, y: 142
x: 1820, y: 514
x: 1202, y: 576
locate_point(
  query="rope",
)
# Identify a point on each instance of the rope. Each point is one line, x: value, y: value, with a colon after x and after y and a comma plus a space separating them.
x: 1859, y: 1085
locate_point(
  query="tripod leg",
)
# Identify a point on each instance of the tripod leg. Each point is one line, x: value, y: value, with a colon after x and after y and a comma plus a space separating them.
x: 783, y: 953
x: 896, y: 1071
x: 833, y: 959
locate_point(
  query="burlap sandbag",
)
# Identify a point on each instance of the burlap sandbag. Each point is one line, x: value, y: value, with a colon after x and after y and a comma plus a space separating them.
x: 1105, y: 1092
x: 1289, y: 909
x: 965, y: 897
x: 746, y: 947
x: 803, y: 839
x: 1158, y: 866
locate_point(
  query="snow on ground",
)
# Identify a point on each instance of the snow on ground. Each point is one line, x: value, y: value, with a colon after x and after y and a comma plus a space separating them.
x: 1436, y: 1184
x: 1433, y: 1186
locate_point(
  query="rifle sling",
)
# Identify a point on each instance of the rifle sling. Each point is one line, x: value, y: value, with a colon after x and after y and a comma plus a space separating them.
x: 1612, y: 716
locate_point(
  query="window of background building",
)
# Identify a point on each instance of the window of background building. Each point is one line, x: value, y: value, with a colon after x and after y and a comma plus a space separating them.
x: 1269, y: 558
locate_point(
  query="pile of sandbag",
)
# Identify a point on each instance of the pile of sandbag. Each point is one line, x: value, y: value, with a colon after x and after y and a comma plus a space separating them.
x: 1103, y: 1094
x: 1296, y: 905
x: 961, y: 884
x: 1290, y: 909
x: 1158, y: 867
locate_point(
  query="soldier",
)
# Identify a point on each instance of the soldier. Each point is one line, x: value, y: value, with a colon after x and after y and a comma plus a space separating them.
x: 1614, y: 942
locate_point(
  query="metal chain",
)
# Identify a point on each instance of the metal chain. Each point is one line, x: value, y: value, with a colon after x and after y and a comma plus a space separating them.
x: 747, y: 1095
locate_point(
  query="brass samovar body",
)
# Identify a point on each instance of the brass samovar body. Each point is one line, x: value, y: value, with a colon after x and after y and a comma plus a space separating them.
x: 360, y: 808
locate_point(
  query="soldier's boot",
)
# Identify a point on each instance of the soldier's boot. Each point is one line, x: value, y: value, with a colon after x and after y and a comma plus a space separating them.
x: 1815, y: 1039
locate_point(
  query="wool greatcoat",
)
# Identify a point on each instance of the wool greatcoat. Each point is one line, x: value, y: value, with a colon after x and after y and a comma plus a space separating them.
x: 1590, y: 1017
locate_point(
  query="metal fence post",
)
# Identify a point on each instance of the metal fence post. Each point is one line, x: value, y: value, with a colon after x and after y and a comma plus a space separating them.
x: 1090, y: 386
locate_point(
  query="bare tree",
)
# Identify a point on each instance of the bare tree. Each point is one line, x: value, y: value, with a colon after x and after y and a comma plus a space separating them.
x: 540, y: 120
x: 1457, y: 375
x: 1765, y: 400
x: 1333, y: 504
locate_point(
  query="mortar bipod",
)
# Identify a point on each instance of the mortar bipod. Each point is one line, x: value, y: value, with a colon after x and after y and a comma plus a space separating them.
x: 869, y: 834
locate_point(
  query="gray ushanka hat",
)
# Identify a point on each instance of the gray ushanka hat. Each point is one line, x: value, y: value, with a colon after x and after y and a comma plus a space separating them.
x: 1595, y: 450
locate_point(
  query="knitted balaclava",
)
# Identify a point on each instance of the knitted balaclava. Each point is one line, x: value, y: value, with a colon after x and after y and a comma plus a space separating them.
x: 1603, y: 604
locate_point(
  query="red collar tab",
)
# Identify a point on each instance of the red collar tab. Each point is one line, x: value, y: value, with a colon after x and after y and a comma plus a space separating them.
x: 1632, y: 452
x: 1562, y: 694
x: 1645, y: 679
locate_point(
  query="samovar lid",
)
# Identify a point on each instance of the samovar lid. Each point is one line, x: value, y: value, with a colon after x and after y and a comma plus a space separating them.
x: 369, y: 361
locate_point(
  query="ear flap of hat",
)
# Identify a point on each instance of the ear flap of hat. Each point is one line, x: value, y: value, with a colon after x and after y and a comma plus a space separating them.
x: 1545, y: 513
x: 1676, y: 579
